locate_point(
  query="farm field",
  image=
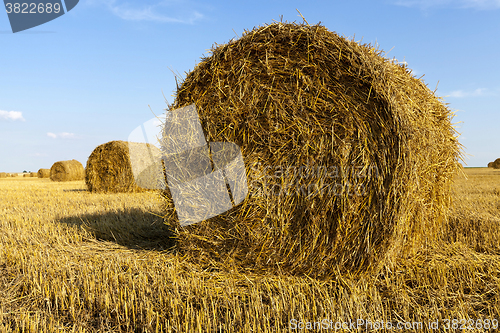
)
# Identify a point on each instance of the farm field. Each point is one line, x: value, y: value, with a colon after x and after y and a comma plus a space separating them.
x: 74, y: 261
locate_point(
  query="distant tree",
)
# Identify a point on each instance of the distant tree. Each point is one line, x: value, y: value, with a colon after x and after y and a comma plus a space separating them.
x: 25, y: 171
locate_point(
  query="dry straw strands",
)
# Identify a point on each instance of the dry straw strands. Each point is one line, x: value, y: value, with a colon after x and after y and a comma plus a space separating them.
x: 294, y: 95
x: 111, y: 167
x: 43, y: 173
x: 64, y: 171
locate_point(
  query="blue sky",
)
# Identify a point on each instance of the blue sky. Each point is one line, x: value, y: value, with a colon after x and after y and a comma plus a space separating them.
x: 92, y: 75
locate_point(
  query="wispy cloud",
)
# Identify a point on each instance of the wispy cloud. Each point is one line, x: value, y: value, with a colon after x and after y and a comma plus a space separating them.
x: 11, y: 115
x: 474, y: 4
x: 63, y: 135
x: 471, y: 93
x: 160, y: 11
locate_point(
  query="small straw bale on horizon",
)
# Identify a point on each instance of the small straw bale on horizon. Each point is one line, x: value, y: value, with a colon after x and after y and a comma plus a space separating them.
x: 70, y: 170
x: 121, y: 166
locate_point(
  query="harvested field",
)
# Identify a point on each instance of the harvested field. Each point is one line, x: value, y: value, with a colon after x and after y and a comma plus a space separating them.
x: 100, y: 263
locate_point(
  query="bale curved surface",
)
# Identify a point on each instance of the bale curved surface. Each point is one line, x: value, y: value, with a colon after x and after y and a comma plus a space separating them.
x: 43, y: 173
x: 64, y: 171
x: 296, y: 96
x: 112, y: 165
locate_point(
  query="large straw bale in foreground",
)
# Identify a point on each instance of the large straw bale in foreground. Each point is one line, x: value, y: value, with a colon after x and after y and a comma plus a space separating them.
x: 120, y: 166
x: 43, y: 173
x: 64, y: 171
x: 348, y: 156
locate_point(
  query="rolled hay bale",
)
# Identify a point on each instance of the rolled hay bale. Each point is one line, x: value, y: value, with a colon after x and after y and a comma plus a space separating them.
x: 64, y: 171
x: 495, y: 164
x: 33, y: 174
x: 120, y: 166
x: 299, y: 100
x: 3, y: 175
x: 490, y: 165
x: 43, y: 173
x: 13, y: 175
x: 26, y: 175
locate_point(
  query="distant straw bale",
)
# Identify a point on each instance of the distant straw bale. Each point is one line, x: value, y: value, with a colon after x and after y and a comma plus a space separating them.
x: 64, y: 171
x: 3, y: 174
x: 349, y: 157
x: 43, y: 173
x: 490, y: 165
x: 495, y: 164
x: 120, y: 166
x: 13, y: 174
x: 26, y: 175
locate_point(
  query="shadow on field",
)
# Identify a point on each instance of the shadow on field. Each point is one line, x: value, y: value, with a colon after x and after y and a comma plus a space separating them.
x: 133, y: 228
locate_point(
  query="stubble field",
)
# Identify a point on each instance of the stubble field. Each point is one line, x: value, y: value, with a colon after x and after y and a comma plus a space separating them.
x: 73, y: 261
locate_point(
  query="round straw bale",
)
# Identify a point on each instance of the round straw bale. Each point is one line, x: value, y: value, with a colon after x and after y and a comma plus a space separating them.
x: 43, y: 173
x: 348, y: 156
x: 26, y: 175
x: 490, y: 165
x: 3, y: 174
x: 13, y: 174
x: 120, y: 166
x: 33, y: 174
x: 64, y: 171
x: 495, y: 164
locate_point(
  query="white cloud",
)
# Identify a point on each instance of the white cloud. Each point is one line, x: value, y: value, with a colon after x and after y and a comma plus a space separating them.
x: 471, y: 93
x: 63, y: 135
x: 426, y: 4
x: 11, y: 115
x: 162, y: 11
